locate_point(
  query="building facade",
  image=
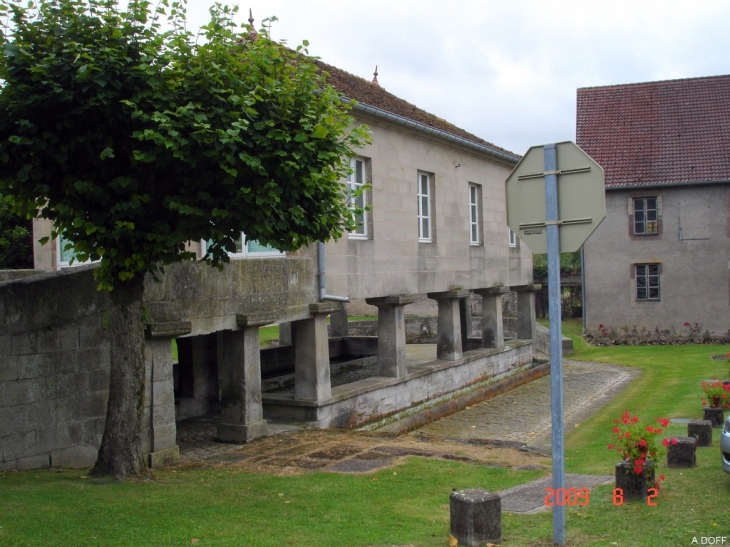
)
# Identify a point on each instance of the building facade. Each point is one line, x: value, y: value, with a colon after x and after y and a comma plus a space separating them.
x: 435, y: 224
x: 662, y: 255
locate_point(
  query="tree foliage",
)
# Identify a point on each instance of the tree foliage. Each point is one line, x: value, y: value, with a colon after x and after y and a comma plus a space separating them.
x: 135, y: 135
x: 16, y: 246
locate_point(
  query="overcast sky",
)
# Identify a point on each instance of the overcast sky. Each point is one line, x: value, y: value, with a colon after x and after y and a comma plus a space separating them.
x: 506, y: 71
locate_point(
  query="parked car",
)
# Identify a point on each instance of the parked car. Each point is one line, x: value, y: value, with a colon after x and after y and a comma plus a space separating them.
x: 725, y: 446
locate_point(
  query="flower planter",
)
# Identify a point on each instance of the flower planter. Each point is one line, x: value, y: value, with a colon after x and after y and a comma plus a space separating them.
x: 635, y: 486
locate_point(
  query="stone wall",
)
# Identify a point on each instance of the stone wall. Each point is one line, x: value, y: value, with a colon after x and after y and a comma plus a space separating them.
x: 54, y: 351
x: 54, y: 370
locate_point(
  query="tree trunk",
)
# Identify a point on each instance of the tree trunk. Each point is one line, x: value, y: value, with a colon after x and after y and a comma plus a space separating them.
x: 120, y: 454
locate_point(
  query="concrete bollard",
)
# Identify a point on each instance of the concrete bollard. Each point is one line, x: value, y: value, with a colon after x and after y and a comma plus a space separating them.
x: 682, y: 453
x: 476, y: 517
x: 716, y: 415
x: 700, y: 430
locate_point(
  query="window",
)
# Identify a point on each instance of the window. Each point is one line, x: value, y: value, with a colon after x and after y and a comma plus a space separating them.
x: 512, y: 238
x: 66, y: 253
x: 647, y: 281
x: 355, y: 184
x: 424, y: 207
x: 645, y: 216
x: 474, y: 214
x: 248, y: 248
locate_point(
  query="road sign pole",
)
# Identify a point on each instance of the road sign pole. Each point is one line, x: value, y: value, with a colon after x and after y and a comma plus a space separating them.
x: 556, y: 345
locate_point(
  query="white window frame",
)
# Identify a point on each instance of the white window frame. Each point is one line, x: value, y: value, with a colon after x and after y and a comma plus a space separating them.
x: 512, y: 238
x: 652, y: 281
x: 353, y: 185
x: 67, y: 263
x: 474, y: 238
x: 245, y: 253
x: 646, y: 226
x: 425, y: 222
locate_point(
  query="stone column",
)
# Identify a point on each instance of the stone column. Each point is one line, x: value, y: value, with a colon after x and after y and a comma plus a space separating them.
x: 526, y: 324
x: 312, y: 353
x: 448, y: 338
x: 338, y: 323
x: 492, y: 325
x: 392, y: 333
x: 242, y: 415
x: 158, y: 362
x: 465, y: 318
x: 284, y: 334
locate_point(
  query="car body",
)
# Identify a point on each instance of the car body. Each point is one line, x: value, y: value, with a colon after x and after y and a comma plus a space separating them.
x: 725, y: 446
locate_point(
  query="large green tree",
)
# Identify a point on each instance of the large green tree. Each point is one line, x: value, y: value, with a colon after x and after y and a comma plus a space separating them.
x: 135, y: 136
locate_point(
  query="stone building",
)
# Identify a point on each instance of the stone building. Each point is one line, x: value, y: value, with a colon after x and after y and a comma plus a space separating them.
x: 437, y: 225
x: 660, y: 258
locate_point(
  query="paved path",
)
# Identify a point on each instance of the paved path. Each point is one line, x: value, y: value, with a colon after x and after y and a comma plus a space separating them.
x: 522, y: 415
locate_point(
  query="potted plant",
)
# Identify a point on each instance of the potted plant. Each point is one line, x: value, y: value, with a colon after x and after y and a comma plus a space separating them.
x: 717, y: 394
x: 637, y: 472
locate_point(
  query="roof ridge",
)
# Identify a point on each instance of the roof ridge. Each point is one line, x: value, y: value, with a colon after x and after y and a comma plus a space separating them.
x: 656, y: 82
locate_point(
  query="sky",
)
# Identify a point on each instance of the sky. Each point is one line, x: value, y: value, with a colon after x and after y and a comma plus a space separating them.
x: 506, y: 71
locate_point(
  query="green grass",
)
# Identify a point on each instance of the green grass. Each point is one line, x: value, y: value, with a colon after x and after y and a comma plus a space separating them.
x: 229, y: 508
x: 225, y: 507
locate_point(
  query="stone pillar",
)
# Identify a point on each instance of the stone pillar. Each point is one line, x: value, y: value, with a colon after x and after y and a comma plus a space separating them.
x: 158, y: 362
x: 338, y: 323
x: 465, y: 318
x: 492, y: 324
x: 285, y: 334
x: 242, y: 415
x: 392, y: 333
x: 526, y: 324
x: 448, y: 338
x: 312, y: 354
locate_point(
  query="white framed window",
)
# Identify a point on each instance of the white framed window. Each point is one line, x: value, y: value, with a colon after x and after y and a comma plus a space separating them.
x: 355, y: 183
x: 647, y: 282
x: 424, y: 208
x: 645, y: 216
x: 248, y: 248
x: 65, y: 253
x: 512, y: 238
x: 474, y: 214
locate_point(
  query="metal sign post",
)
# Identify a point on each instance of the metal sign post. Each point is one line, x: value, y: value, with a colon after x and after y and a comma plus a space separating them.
x: 556, y: 342
x: 534, y: 213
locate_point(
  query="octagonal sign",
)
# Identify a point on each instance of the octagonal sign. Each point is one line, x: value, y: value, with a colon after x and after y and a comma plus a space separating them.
x: 581, y: 197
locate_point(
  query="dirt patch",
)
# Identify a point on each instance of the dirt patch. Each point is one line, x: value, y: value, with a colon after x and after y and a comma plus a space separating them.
x: 306, y: 451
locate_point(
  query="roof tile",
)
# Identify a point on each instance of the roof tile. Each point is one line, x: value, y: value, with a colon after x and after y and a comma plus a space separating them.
x: 668, y: 132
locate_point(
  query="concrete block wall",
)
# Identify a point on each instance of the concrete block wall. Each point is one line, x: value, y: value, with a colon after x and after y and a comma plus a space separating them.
x: 54, y: 370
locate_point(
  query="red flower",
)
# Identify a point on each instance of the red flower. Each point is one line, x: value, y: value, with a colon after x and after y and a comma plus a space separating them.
x: 704, y: 403
x: 600, y: 326
x: 616, y: 429
x: 661, y: 477
x: 665, y: 442
x: 611, y: 447
x: 663, y: 421
x: 686, y: 324
x: 634, y: 419
x: 638, y: 469
x: 674, y: 440
x: 627, y: 434
x: 642, y: 445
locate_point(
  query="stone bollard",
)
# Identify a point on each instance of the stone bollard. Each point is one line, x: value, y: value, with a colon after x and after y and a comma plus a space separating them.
x: 476, y: 517
x: 682, y: 453
x: 700, y: 430
x: 714, y: 414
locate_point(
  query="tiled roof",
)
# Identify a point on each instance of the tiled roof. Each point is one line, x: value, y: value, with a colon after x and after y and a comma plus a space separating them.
x: 365, y: 92
x: 669, y: 132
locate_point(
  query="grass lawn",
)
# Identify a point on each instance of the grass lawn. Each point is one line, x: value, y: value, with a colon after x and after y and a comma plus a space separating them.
x: 405, y: 505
